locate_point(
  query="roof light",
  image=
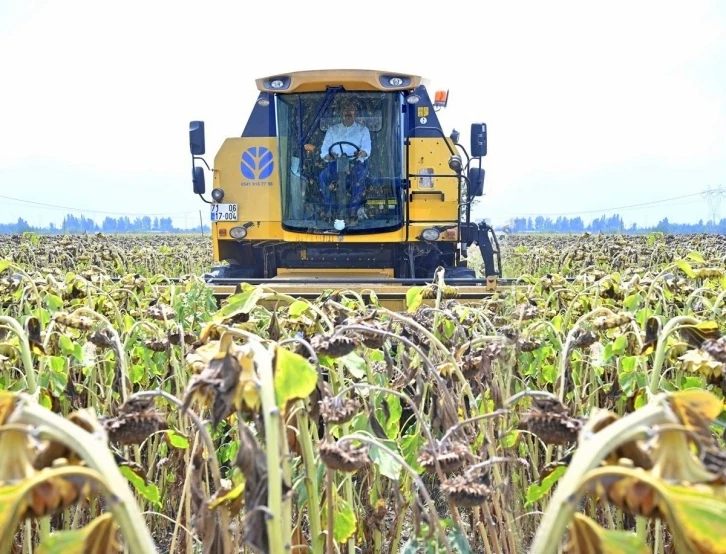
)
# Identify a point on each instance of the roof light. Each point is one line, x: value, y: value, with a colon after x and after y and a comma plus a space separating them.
x: 277, y: 83
x: 413, y: 98
x: 395, y: 81
x: 441, y: 98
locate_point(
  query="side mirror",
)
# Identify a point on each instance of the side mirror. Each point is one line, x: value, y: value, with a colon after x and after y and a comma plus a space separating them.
x: 196, y: 138
x: 476, y: 182
x: 478, y: 140
x: 198, y: 180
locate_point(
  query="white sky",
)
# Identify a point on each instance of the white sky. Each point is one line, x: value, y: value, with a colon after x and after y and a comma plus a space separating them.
x: 588, y: 107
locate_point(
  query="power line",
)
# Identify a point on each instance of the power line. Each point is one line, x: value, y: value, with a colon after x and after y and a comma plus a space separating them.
x: 88, y: 210
x: 599, y: 210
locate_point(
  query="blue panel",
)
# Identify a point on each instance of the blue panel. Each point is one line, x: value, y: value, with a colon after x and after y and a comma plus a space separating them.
x: 262, y: 119
x: 417, y: 128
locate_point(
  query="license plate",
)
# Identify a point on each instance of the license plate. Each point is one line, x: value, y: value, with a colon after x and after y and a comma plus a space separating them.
x: 224, y: 212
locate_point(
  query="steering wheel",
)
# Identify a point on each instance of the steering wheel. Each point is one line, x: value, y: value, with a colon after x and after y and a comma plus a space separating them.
x: 340, y: 144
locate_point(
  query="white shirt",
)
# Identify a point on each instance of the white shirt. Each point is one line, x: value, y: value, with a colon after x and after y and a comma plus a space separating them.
x: 356, y: 133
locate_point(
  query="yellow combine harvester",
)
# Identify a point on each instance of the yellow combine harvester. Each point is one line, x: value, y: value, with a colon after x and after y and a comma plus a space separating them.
x: 344, y: 179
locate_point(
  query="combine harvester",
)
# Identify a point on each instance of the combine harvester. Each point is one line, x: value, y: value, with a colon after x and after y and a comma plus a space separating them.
x: 379, y: 206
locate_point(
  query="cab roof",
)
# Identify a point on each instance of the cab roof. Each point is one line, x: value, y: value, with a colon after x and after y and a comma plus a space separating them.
x: 350, y: 79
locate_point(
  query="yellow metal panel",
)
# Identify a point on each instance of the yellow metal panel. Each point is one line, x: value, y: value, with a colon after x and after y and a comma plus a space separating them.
x: 351, y: 79
x: 433, y: 153
x: 291, y: 273
x: 259, y: 230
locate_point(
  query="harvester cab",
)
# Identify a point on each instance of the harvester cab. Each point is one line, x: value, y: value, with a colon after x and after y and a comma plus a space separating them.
x: 345, y: 176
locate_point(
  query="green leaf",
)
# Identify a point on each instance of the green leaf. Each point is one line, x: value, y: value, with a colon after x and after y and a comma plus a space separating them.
x: 53, y: 302
x: 414, y: 298
x: 460, y: 542
x: 136, y: 373
x: 510, y: 439
x: 549, y: 373
x: 620, y: 344
x: 695, y: 257
x: 632, y: 302
x: 91, y: 539
x: 298, y: 307
x: 4, y: 264
x: 386, y: 463
x: 685, y: 267
x: 692, y: 382
x: 410, y: 446
x: 177, y: 440
x: 355, y: 364
x: 394, y: 418
x: 536, y: 491
x: 374, y: 298
x: 344, y: 522
x: 588, y: 536
x: 240, y: 303
x: 295, y: 377
x: 411, y: 546
x: 149, y: 491
x: 66, y: 344
x: 629, y: 363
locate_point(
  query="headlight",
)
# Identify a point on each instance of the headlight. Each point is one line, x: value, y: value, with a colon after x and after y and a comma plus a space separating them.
x: 430, y: 234
x: 277, y: 83
x: 217, y: 195
x: 412, y: 98
x: 395, y: 81
x: 238, y: 233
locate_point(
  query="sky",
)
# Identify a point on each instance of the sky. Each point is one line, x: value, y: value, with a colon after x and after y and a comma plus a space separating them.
x: 589, y: 106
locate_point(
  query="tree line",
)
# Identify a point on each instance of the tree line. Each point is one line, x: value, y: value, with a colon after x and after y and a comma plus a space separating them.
x: 612, y: 224
x: 80, y: 224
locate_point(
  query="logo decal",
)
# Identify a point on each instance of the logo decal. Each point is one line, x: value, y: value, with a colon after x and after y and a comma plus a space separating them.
x: 257, y: 163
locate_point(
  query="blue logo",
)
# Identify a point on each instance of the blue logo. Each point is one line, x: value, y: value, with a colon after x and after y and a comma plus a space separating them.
x: 257, y: 163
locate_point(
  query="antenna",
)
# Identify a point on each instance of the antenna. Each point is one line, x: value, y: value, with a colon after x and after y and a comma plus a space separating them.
x: 713, y: 197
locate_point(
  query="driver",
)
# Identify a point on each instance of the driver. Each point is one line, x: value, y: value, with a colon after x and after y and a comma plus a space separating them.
x: 349, y: 131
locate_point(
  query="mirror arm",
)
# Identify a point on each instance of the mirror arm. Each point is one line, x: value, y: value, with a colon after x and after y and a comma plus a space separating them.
x: 205, y: 200
x: 203, y: 161
x: 468, y: 158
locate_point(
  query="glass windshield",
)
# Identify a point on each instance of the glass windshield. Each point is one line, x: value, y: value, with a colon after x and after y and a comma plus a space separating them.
x: 341, y: 157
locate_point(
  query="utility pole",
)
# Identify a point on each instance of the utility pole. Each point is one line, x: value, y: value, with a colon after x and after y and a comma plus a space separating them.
x: 714, y: 197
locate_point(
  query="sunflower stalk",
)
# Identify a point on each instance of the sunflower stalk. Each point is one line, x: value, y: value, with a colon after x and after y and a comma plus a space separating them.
x: 125, y: 511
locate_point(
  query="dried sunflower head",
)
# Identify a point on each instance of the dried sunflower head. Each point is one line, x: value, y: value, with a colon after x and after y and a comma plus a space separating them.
x: 529, y: 345
x: 550, y: 421
x: 716, y: 348
x: 468, y: 490
x: 160, y: 312
x: 343, y: 456
x: 604, y: 323
x: 583, y: 339
x: 336, y: 346
x: 451, y: 456
x: 134, y: 427
x: 335, y: 409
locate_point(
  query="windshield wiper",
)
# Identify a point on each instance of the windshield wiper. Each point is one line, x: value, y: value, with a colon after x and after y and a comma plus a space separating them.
x: 324, y: 104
